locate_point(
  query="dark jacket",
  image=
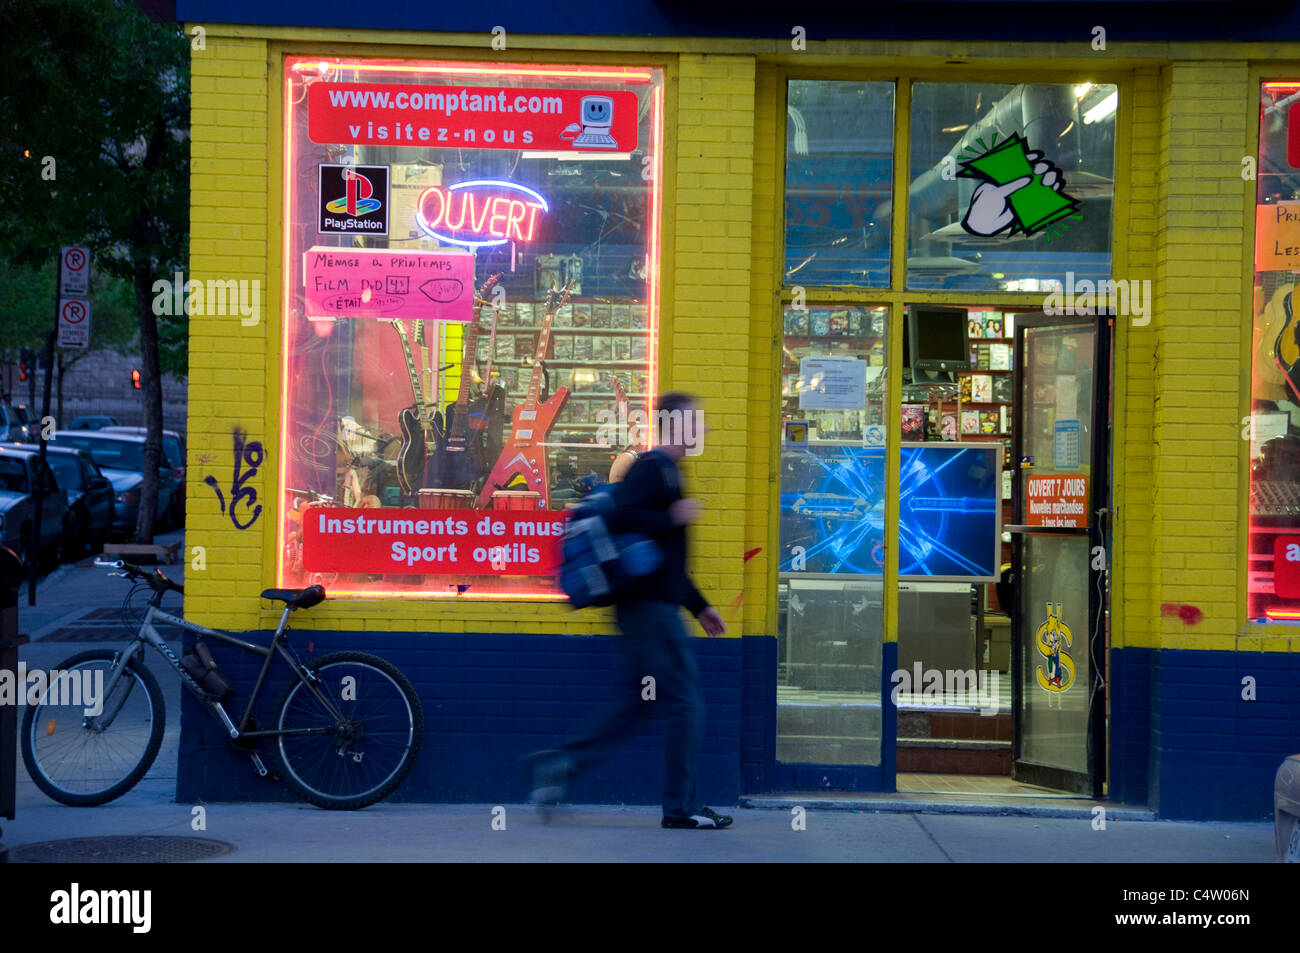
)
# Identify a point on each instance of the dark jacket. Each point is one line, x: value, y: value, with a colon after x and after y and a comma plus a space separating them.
x: 643, y: 497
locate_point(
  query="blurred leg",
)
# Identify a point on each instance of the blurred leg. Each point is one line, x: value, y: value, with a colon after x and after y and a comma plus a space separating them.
x: 636, y: 645
x: 683, y: 708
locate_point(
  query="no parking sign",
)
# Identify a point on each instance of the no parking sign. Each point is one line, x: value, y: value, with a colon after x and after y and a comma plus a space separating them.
x: 74, y: 271
x: 74, y: 322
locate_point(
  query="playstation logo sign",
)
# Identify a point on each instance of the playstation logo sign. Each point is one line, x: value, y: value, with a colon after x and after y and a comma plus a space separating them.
x: 354, y: 199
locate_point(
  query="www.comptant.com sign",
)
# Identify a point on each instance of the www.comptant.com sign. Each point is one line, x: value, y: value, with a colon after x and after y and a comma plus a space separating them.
x: 480, y: 117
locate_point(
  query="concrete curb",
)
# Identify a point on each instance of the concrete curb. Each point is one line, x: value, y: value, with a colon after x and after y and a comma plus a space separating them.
x: 983, y: 807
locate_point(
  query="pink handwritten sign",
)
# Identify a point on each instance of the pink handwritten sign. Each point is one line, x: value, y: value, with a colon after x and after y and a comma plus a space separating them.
x: 379, y: 283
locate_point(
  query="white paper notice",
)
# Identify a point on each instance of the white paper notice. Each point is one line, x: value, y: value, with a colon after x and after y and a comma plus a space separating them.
x: 1265, y: 427
x: 1067, y: 397
x: 832, y: 383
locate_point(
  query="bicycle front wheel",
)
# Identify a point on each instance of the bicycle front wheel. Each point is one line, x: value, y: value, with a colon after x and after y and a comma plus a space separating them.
x: 362, y: 757
x: 80, y: 758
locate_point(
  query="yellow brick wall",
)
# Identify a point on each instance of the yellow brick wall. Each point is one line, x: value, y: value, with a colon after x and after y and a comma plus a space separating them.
x: 1135, y: 347
x: 1196, y: 341
x: 232, y: 372
x: 764, y: 347
x: 711, y: 315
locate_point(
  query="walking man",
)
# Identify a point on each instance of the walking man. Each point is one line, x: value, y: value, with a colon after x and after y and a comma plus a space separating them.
x: 654, y: 642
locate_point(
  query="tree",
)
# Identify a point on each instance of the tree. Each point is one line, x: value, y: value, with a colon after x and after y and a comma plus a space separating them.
x: 27, y: 309
x: 95, y: 140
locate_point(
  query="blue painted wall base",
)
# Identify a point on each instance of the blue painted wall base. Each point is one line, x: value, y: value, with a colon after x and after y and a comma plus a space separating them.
x: 490, y: 699
x: 1185, y: 742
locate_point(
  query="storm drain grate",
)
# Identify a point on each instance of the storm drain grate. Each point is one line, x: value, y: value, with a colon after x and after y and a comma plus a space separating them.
x: 120, y: 850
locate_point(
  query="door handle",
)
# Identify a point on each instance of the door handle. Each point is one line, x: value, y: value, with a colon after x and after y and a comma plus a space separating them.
x: 1046, y: 530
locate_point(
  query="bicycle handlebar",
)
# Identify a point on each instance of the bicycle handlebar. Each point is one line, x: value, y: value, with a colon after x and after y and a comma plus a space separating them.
x: 156, y: 580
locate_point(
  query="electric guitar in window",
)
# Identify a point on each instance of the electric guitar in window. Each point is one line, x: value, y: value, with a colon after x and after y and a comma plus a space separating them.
x: 461, y: 455
x: 420, y: 430
x: 627, y: 455
x: 1286, y: 349
x: 522, y: 463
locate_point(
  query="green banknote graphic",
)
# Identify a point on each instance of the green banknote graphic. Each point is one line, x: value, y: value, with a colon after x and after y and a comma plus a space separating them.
x: 1035, y: 206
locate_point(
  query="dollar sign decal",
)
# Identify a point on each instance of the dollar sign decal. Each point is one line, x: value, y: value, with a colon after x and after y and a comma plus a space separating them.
x: 1052, y: 638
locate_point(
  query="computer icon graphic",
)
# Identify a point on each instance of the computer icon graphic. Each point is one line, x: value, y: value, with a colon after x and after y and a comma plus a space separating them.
x: 597, y: 119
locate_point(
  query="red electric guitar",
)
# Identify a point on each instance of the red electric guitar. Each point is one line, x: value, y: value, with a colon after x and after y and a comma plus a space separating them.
x: 627, y: 455
x: 522, y: 464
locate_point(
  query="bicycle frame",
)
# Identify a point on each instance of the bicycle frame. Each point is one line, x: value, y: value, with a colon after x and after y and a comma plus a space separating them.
x: 148, y: 635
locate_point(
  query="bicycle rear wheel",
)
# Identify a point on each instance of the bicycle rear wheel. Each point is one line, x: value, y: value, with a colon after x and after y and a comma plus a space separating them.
x: 73, y: 757
x: 363, y: 758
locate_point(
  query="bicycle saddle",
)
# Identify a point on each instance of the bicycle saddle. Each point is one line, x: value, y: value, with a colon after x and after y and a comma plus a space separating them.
x: 297, y: 598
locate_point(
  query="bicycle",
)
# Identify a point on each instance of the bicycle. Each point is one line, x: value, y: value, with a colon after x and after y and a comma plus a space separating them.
x: 338, y: 724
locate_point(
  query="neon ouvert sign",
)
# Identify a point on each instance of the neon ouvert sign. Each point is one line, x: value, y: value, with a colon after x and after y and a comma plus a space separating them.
x: 480, y: 213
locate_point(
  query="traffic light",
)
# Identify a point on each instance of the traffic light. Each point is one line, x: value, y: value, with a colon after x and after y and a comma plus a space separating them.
x: 25, y: 362
x: 135, y: 377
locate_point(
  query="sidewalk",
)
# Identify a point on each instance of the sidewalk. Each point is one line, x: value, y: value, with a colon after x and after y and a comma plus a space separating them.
x: 464, y: 832
x: 75, y: 589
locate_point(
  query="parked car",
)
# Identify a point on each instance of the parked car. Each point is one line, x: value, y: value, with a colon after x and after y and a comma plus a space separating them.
x: 121, y: 458
x: 90, y: 498
x: 1286, y: 810
x: 15, y: 424
x: 19, y: 471
x: 91, y: 423
x: 173, y: 445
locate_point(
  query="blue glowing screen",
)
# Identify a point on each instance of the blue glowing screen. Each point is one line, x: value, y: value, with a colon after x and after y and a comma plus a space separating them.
x: 833, y: 506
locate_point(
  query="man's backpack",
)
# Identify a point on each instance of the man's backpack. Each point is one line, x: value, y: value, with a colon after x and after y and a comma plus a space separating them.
x: 599, y: 568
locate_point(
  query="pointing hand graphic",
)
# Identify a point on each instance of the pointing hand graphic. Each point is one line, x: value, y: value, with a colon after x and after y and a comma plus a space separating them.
x: 989, y: 211
x: 996, y: 207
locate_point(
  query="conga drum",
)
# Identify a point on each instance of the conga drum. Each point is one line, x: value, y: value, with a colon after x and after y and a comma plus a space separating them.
x: 517, y: 500
x: 446, y: 499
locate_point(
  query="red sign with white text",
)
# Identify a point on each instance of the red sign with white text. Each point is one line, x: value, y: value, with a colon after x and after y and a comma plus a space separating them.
x: 1286, y: 567
x: 424, y: 542
x: 477, y: 117
x: 1056, y: 501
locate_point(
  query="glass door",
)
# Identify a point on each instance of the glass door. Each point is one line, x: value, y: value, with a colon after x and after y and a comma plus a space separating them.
x: 1059, y: 554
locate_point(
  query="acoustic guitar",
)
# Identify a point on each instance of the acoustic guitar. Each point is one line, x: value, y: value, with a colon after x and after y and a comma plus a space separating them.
x: 522, y: 462
x: 1286, y: 348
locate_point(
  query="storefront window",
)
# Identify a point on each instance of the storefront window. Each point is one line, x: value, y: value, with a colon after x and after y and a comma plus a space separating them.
x: 471, y: 268
x: 832, y: 532
x: 970, y: 225
x: 1274, y: 431
x: 839, y: 156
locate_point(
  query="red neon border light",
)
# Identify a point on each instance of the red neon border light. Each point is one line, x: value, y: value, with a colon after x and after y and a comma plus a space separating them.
x: 630, y: 75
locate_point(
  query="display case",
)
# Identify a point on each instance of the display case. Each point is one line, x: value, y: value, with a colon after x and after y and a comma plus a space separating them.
x: 593, y: 344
